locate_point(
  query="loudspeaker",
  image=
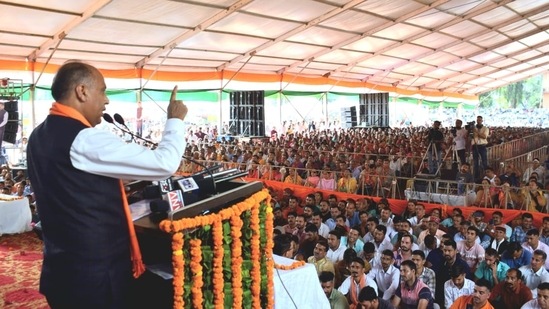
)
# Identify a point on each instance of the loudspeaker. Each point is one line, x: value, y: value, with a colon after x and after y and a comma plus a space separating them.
x: 247, y: 113
x: 11, y: 106
x: 13, y: 116
x: 349, y: 117
x: 11, y: 127
x: 374, y: 109
x: 424, y: 183
x: 10, y: 137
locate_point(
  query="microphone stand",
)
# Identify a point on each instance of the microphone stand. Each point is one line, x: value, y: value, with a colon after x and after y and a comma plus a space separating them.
x: 119, y: 119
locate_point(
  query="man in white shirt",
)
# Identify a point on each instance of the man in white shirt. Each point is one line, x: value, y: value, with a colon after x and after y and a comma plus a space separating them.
x: 76, y: 171
x: 335, y: 248
x: 535, y: 273
x: 480, y: 140
x: 536, y: 167
x: 323, y: 229
x: 386, y: 275
x: 371, y: 224
x: 386, y: 218
x: 457, y: 286
x: 532, y: 244
x: 499, y: 243
x: 380, y: 241
x: 353, y: 284
x: 542, y: 301
x: 460, y: 139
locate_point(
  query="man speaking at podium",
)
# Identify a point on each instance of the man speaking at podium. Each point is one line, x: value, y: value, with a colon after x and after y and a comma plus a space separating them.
x: 90, y: 247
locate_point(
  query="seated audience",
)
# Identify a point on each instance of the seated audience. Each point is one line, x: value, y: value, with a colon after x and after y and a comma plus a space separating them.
x: 412, y: 293
x: 535, y: 273
x: 477, y: 300
x: 357, y: 281
x: 491, y: 269
x: 336, y: 299
x: 368, y: 299
x: 386, y: 275
x: 511, y: 293
x: 542, y: 301
x: 457, y: 286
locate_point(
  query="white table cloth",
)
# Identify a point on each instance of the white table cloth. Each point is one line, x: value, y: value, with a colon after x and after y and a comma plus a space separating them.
x: 300, y: 285
x: 15, y: 216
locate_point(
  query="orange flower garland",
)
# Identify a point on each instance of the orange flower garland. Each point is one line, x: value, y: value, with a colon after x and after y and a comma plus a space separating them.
x: 294, y: 265
x: 196, y: 269
x: 218, y: 252
x: 215, y: 220
x: 255, y: 272
x: 269, y: 228
x: 236, y: 267
x: 178, y: 264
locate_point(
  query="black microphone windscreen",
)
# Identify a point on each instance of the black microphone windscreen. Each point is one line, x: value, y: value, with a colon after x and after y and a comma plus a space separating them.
x: 159, y: 206
x: 119, y: 119
x: 107, y: 118
x: 151, y: 192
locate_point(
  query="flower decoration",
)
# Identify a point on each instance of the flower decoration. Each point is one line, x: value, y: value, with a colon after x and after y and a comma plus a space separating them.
x: 206, y: 267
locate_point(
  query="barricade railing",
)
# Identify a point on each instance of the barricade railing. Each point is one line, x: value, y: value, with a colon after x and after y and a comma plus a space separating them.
x: 425, y: 188
x: 524, y: 161
x: 516, y: 148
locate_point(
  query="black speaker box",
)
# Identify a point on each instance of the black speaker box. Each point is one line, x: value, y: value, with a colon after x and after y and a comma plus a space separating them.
x: 11, y: 106
x: 13, y: 115
x: 10, y: 137
x: 11, y: 127
x: 424, y: 183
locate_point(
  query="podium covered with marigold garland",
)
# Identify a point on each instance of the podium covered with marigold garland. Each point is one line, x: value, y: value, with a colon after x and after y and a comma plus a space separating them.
x: 223, y: 259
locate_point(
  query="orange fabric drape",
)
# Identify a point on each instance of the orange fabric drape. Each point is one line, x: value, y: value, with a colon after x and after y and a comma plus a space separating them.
x: 398, y: 206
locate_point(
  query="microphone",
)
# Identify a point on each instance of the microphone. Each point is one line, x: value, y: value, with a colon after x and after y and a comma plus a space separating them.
x: 119, y: 119
x: 108, y: 118
x: 121, y: 122
x: 171, y: 202
x: 159, y: 206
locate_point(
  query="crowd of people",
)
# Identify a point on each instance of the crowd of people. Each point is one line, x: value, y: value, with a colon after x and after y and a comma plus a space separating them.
x: 366, y: 256
x: 379, y: 162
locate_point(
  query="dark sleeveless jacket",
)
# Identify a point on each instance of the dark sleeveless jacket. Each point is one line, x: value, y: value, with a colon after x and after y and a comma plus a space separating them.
x: 82, y: 215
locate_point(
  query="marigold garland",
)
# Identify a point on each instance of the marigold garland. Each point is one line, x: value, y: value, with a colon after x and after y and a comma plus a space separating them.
x: 269, y: 228
x: 218, y: 251
x: 236, y: 254
x: 196, y: 269
x: 294, y: 265
x: 255, y: 272
x: 178, y: 264
x: 215, y: 220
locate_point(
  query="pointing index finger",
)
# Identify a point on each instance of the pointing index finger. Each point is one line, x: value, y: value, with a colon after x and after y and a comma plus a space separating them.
x: 174, y: 94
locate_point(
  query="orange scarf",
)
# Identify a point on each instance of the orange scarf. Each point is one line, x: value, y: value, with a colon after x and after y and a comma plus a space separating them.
x: 353, y: 290
x: 59, y: 109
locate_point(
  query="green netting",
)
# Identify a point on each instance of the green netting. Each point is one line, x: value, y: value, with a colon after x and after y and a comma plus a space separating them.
x: 191, y: 95
x: 130, y: 95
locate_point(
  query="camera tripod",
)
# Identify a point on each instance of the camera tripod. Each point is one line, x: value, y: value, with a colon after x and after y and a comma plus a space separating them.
x: 434, y: 156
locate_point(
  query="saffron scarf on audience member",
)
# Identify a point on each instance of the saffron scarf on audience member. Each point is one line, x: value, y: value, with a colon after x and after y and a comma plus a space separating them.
x: 355, y: 289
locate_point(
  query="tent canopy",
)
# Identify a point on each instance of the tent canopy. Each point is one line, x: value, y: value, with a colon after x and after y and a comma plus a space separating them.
x: 434, y: 47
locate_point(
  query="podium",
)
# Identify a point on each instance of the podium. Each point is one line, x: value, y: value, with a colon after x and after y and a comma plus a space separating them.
x: 152, y: 290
